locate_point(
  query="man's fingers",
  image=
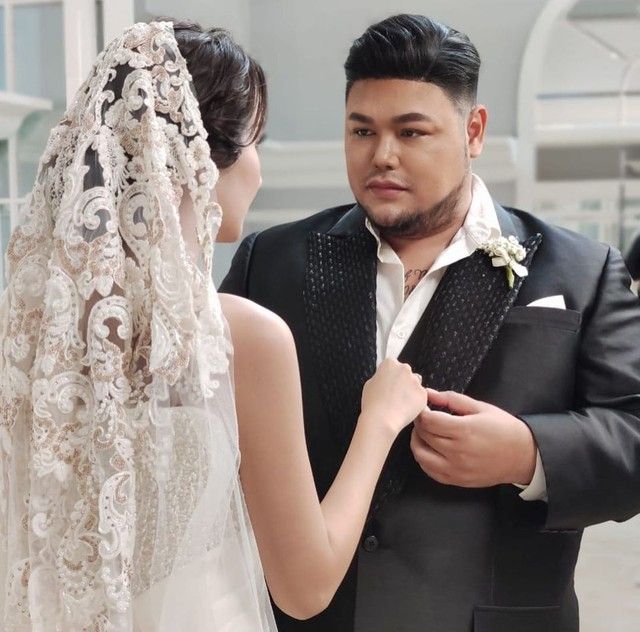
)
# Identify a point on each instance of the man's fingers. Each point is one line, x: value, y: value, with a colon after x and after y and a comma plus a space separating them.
x: 424, y: 430
x: 431, y: 461
x: 456, y: 402
x: 439, y: 423
x: 420, y: 446
x: 442, y: 445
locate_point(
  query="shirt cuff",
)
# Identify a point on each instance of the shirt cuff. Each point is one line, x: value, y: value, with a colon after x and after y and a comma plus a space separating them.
x: 537, y: 488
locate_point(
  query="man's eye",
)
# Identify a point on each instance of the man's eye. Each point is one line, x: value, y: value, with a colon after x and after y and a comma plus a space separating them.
x: 362, y: 131
x: 412, y: 133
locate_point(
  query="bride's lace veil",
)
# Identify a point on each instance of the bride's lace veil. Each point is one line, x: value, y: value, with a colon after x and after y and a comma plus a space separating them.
x: 120, y: 503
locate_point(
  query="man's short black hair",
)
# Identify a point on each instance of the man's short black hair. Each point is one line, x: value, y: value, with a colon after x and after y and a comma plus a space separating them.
x: 417, y: 48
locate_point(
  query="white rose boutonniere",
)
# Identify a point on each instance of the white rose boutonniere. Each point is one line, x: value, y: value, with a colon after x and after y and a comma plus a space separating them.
x: 507, y: 252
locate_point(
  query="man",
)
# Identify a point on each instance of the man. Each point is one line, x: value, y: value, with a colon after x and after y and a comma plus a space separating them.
x: 526, y: 332
x: 632, y: 259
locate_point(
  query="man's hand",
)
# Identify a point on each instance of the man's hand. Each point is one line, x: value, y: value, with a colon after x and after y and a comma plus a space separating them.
x: 477, y: 445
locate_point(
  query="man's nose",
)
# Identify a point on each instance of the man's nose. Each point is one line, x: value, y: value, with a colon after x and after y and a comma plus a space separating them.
x: 386, y: 154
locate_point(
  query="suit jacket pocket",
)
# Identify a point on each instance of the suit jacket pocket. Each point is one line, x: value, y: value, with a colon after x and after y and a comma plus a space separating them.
x: 547, y: 316
x: 525, y: 619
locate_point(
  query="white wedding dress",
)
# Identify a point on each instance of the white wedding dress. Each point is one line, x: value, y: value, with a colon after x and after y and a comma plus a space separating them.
x: 120, y: 501
x: 216, y: 587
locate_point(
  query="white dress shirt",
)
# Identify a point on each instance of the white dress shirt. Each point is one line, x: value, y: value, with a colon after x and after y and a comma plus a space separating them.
x: 397, y: 317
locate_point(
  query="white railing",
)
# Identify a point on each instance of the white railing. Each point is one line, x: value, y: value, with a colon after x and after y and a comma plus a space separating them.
x: 606, y: 210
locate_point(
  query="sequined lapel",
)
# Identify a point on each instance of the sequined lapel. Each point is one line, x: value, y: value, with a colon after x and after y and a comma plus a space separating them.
x: 462, y: 320
x: 340, y: 309
x: 453, y: 336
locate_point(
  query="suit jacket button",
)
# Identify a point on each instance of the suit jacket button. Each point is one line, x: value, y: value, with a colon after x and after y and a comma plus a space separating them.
x: 370, y: 544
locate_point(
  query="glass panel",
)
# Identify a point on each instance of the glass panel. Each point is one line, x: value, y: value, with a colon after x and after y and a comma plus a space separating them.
x: 3, y: 76
x: 4, y: 169
x: 100, y: 23
x: 590, y: 229
x: 5, y: 231
x: 32, y: 138
x: 39, y: 72
x: 141, y: 13
x: 39, y: 41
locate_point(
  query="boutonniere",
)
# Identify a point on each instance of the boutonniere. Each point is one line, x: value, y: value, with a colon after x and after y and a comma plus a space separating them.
x: 507, y: 252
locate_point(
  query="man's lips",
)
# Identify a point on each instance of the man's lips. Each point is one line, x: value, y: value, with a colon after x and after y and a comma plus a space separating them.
x: 386, y: 189
x: 385, y: 184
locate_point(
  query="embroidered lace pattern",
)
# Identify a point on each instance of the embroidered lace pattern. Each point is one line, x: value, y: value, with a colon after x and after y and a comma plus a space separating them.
x: 118, y: 439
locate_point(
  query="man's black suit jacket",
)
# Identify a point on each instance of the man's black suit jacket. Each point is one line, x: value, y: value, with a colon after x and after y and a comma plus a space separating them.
x: 443, y: 558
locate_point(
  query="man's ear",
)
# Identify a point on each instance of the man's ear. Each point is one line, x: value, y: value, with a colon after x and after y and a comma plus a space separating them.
x: 476, y: 126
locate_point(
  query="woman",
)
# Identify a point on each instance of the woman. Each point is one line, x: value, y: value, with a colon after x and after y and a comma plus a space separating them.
x: 121, y: 504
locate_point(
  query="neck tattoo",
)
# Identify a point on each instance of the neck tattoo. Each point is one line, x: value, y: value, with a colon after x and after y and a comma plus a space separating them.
x: 411, y: 279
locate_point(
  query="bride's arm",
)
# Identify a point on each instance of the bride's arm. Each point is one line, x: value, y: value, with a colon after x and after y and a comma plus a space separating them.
x: 305, y: 547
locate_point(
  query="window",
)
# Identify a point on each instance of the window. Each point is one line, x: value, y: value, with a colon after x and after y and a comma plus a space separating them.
x: 33, y: 81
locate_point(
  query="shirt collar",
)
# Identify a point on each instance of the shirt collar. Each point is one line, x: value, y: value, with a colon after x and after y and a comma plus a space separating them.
x: 480, y: 225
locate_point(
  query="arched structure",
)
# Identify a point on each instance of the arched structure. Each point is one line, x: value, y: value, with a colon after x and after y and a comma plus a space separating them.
x: 532, y: 62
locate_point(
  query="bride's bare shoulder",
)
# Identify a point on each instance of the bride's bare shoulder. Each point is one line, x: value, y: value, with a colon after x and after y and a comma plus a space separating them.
x: 243, y: 313
x: 253, y: 327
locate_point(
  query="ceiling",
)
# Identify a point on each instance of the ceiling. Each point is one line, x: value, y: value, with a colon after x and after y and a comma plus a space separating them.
x: 594, y: 33
x: 591, y: 73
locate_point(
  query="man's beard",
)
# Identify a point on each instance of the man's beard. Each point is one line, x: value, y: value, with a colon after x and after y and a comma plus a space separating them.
x: 423, y: 223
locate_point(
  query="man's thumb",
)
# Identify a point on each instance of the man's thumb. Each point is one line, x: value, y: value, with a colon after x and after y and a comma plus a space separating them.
x: 457, y: 403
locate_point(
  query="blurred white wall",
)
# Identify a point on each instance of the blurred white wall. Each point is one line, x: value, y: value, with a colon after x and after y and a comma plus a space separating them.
x: 231, y: 14
x: 303, y: 45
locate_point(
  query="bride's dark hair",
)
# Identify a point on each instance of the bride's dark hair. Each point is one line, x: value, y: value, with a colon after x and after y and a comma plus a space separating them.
x: 230, y: 87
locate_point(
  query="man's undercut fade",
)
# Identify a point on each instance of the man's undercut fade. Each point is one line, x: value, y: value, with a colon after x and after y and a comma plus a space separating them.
x: 417, y: 48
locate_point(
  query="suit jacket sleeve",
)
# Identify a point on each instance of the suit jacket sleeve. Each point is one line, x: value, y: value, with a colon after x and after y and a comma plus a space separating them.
x: 237, y: 279
x: 591, y: 455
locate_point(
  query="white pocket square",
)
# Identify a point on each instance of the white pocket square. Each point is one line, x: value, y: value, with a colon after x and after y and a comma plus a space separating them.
x: 557, y: 302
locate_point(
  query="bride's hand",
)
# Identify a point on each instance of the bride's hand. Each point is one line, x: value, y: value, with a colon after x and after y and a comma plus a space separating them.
x: 394, y: 396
